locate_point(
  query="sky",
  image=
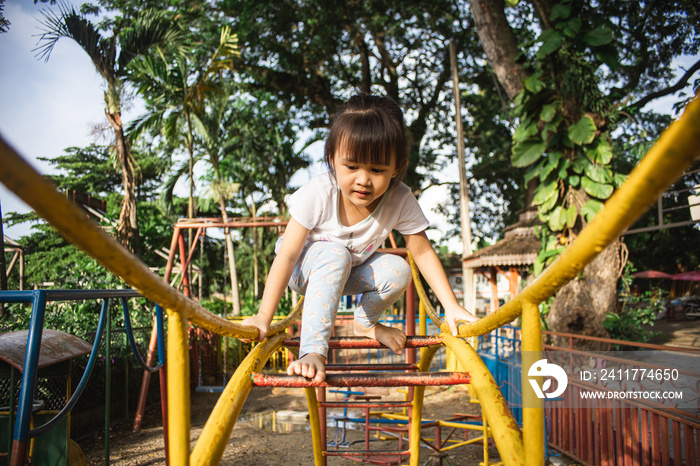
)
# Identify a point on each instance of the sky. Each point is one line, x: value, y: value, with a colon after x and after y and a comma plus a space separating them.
x: 46, y: 107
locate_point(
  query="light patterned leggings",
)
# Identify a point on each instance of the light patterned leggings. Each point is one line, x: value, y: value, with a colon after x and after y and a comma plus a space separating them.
x: 324, y: 273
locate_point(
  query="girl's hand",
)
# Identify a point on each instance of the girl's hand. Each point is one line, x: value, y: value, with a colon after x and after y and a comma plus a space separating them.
x: 455, y: 313
x: 259, y: 322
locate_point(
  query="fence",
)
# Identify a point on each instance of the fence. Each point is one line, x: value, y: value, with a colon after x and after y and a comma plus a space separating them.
x: 592, y: 429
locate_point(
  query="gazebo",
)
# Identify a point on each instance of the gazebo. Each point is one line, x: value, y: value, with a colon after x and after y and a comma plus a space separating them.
x: 512, y: 256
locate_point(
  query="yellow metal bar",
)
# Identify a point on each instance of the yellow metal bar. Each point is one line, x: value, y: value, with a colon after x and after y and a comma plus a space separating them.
x: 212, y: 441
x: 426, y: 358
x: 71, y: 223
x: 178, y: 390
x: 533, y: 407
x: 506, y: 432
x: 315, y: 424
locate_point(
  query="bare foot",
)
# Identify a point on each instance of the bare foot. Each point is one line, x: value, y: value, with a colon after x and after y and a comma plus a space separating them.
x: 391, y: 337
x: 311, y: 365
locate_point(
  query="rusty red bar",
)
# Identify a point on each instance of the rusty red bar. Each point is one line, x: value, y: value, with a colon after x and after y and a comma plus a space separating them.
x: 645, y: 437
x: 655, y: 441
x: 665, y: 453
x: 635, y: 435
x: 689, y: 445
x: 677, y: 449
x: 418, y: 341
x: 368, y: 452
x: 627, y: 438
x: 365, y: 379
x: 616, y: 342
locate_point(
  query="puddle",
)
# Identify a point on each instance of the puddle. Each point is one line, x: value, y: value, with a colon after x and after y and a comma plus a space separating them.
x: 284, y: 421
x: 287, y: 421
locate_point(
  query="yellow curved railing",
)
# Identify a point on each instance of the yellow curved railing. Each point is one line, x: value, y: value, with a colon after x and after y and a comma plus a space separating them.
x: 675, y: 150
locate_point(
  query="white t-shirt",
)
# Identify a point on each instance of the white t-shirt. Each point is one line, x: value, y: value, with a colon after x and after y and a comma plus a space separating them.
x: 315, y: 206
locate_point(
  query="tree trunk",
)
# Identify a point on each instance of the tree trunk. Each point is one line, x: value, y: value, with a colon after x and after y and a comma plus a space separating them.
x: 582, y: 304
x: 127, y: 227
x: 499, y: 43
x: 231, y: 260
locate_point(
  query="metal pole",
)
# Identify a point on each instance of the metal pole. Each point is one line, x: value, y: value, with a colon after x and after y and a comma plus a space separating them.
x: 108, y: 377
x: 465, y: 223
x: 26, y: 394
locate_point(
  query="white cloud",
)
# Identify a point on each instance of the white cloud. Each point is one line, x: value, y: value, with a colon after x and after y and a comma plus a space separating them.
x: 45, y: 107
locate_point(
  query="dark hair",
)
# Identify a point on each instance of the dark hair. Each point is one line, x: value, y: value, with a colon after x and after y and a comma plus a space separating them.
x: 371, y: 129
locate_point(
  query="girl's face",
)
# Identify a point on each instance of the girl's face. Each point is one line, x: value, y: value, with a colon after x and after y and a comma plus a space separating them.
x: 362, y: 184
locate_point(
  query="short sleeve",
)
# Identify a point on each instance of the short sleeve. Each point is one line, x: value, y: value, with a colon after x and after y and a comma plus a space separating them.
x: 307, y: 204
x: 411, y: 220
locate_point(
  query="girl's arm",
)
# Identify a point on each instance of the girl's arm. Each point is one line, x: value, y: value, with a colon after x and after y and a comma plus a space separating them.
x: 281, y: 270
x: 431, y: 268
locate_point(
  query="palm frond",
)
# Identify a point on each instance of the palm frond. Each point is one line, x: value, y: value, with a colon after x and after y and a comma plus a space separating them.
x: 150, y: 28
x: 166, y: 196
x: 69, y: 23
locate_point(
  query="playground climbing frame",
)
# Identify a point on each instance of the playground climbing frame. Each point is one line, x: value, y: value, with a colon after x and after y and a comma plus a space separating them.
x: 675, y: 150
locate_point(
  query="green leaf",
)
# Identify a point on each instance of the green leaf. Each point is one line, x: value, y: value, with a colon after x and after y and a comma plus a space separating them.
x: 601, y: 35
x: 618, y: 179
x: 598, y: 190
x: 608, y: 55
x: 580, y: 165
x: 570, y: 214
x: 544, y: 192
x: 564, y: 168
x: 600, y: 152
x: 574, y: 180
x: 524, y: 131
x: 557, y: 219
x: 549, y: 203
x: 533, y: 83
x: 560, y: 10
x: 583, y: 131
x: 598, y: 173
x: 526, y: 153
x: 571, y: 28
x: 533, y: 172
x: 551, y: 41
x: 550, y: 127
x: 548, y: 112
x: 590, y: 209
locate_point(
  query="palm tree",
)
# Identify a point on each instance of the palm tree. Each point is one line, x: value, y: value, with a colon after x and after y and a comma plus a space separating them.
x: 178, y: 99
x: 111, y: 55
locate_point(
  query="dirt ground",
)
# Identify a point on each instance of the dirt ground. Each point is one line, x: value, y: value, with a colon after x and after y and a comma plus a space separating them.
x: 251, y: 445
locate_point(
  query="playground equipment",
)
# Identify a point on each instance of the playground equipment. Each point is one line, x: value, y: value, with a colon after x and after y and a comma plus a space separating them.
x: 36, y: 356
x: 674, y: 152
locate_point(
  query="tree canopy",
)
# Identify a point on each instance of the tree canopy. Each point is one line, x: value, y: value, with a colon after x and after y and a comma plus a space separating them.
x: 558, y: 97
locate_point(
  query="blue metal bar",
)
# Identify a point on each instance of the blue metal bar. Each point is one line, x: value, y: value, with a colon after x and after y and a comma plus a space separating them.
x: 132, y: 340
x: 108, y: 380
x: 27, y: 296
x: 31, y: 362
x: 83, y: 380
x: 161, y: 335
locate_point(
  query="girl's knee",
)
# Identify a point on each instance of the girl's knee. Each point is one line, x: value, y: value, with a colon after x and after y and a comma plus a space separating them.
x: 333, y: 259
x: 401, y: 273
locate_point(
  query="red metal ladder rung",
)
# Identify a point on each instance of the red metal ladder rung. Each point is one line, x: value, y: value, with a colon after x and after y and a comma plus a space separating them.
x: 364, y: 379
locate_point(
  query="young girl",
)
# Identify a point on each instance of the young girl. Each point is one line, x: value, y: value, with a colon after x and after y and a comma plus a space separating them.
x: 337, y: 222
